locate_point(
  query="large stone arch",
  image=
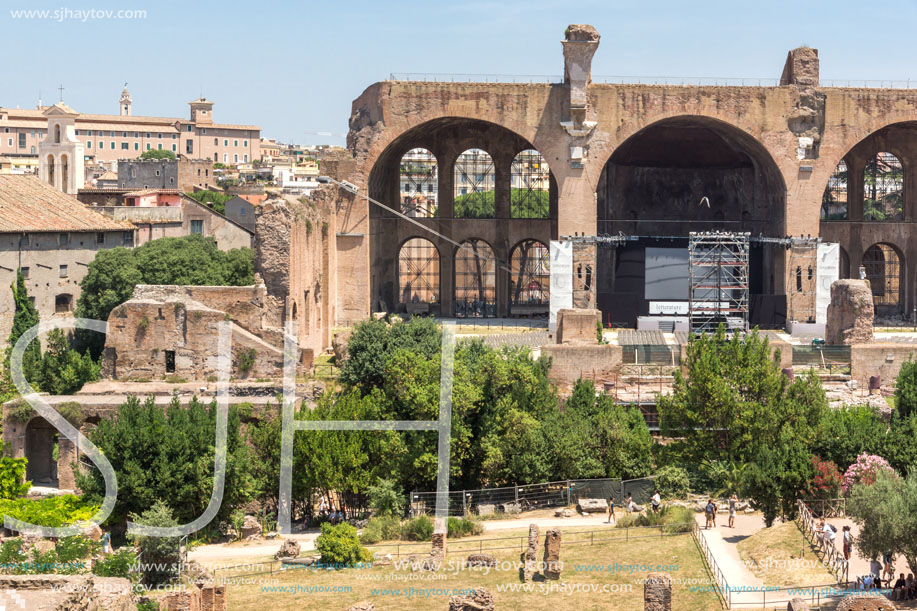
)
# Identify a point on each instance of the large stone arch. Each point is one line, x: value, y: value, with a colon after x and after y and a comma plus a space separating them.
x: 446, y: 139
x: 677, y: 175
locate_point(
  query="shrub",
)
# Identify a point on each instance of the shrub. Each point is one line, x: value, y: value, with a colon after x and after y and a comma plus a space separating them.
x: 116, y: 565
x: 672, y: 482
x: 673, y: 518
x: 340, y: 545
x: 863, y: 471
x: 385, y: 499
x: 12, y: 478
x: 160, y: 554
x: 382, y: 528
x: 826, y: 484
x: 460, y: 527
x: 52, y: 511
x: 418, y: 529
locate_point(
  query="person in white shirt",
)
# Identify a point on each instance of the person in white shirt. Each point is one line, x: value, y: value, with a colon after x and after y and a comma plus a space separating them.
x: 656, y: 501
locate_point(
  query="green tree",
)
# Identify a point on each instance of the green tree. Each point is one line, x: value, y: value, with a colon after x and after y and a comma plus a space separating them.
x: 214, y: 199
x: 906, y: 389
x: 373, y: 341
x: 63, y: 370
x: 160, y: 555
x: 157, y: 154
x: 168, y: 454
x: 735, y: 398
x: 191, y: 260
x: 847, y: 432
x: 385, y: 499
x: 886, y: 512
x: 25, y: 316
x: 776, y: 476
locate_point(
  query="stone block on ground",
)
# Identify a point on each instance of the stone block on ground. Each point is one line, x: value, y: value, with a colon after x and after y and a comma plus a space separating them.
x: 553, y: 565
x: 512, y: 508
x: 289, y: 549
x: 363, y: 605
x: 857, y: 602
x: 592, y: 505
x: 250, y: 527
x: 657, y: 592
x: 797, y: 604
x: 481, y: 560
x: 481, y: 600
x: 564, y: 513
x: 487, y: 509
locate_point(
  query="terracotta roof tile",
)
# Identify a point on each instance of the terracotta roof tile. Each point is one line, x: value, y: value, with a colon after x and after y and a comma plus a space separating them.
x: 28, y: 204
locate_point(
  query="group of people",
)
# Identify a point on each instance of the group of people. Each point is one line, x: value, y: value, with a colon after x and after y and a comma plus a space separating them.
x: 711, y: 509
x: 631, y: 507
x: 334, y: 516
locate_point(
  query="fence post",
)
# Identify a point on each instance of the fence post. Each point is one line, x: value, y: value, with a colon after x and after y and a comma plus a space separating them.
x: 464, y: 506
x: 516, y: 493
x: 568, y: 492
x: 591, y: 537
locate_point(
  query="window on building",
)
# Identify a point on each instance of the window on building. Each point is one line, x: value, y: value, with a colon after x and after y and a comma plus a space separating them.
x: 76, y: 132
x: 157, y: 173
x: 189, y: 146
x: 189, y: 128
x: 245, y: 143
x: 225, y: 142
x: 159, y: 135
x: 112, y: 145
x: 63, y: 303
x: 235, y: 143
x: 241, y: 210
x: 63, y: 239
x: 89, y: 144
x: 136, y: 134
x: 216, y: 142
x: 99, y: 134
x: 147, y: 146
x: 125, y: 146
x: 101, y: 145
x: 63, y: 271
x: 9, y: 142
x: 25, y: 271
x: 159, y: 145
x: 129, y: 238
x: 197, y: 227
x: 174, y: 148
x: 124, y: 134
x: 100, y: 238
x: 235, y: 159
x: 31, y: 150
x: 204, y: 131
x: 245, y: 158
x: 22, y: 140
x: 136, y: 146
x: 148, y: 134
x: 225, y: 157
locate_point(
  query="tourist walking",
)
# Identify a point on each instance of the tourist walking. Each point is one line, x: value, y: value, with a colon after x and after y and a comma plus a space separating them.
x: 611, y: 509
x: 709, y: 513
x: 732, y: 510
x: 847, y: 541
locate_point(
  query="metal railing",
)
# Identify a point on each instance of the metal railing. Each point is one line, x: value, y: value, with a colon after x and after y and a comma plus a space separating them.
x: 827, y: 508
x: 610, y: 79
x: 529, y: 497
x: 831, y: 556
x: 719, y: 578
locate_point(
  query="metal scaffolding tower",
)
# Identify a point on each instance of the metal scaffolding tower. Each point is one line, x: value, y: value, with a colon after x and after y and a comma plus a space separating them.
x: 718, y: 271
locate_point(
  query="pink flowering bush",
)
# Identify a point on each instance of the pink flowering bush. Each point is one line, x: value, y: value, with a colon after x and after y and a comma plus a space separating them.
x: 863, y: 471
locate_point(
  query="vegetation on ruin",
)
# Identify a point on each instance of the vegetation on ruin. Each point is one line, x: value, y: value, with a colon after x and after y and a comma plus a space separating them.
x: 160, y: 554
x: 157, y: 154
x: 12, y: 478
x: 524, y: 204
x: 61, y: 510
x: 214, y: 199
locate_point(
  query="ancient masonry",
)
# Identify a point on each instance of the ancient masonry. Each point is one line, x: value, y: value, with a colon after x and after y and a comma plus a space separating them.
x: 553, y: 565
x: 530, y: 556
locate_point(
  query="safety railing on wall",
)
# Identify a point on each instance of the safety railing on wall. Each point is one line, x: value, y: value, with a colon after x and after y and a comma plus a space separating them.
x: 719, y: 578
x: 831, y: 556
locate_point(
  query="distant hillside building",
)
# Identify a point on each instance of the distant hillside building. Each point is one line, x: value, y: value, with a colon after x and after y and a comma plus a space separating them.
x: 182, y: 174
x: 125, y: 135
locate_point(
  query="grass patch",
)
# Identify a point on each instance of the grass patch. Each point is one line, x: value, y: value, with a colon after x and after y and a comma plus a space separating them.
x: 781, y: 556
x: 677, y: 550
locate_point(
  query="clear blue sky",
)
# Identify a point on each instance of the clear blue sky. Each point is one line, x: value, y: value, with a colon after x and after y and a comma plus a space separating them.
x: 296, y: 66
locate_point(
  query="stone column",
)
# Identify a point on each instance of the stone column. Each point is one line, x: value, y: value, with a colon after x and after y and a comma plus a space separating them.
x: 529, y: 556
x: 553, y: 565
x: 657, y: 592
x: 439, y: 545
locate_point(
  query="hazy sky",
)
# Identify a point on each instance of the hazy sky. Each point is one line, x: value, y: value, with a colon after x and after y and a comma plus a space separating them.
x: 295, y: 67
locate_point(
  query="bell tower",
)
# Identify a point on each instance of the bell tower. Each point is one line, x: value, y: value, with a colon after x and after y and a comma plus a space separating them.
x: 125, y: 103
